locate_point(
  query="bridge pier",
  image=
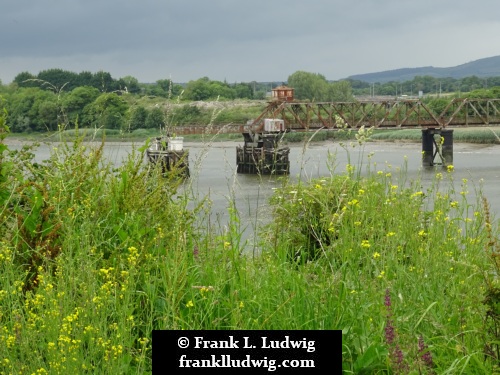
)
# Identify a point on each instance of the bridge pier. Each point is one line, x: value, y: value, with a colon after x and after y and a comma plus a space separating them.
x: 262, y: 155
x: 170, y: 154
x: 437, y: 142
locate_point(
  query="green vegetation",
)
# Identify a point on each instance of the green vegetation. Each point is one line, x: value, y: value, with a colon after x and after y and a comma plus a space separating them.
x: 35, y: 110
x: 383, y: 278
x: 428, y: 85
x: 55, y: 100
x: 93, y: 257
x: 315, y: 87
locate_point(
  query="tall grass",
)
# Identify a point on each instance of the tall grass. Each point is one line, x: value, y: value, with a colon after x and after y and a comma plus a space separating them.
x: 93, y: 257
x: 371, y: 235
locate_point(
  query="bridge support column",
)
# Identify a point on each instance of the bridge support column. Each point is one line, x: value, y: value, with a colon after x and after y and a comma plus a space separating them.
x: 427, y: 147
x: 437, y: 143
x: 447, y: 150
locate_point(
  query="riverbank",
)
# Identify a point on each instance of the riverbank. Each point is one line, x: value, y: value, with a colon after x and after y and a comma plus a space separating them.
x: 484, y: 135
x: 220, y: 143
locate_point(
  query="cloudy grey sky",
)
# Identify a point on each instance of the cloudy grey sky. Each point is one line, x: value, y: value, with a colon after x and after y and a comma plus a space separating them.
x: 243, y: 40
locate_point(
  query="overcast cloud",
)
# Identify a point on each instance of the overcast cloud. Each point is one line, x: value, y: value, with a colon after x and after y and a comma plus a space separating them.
x: 243, y: 40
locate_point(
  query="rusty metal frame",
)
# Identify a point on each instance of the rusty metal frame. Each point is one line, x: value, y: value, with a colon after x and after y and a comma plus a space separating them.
x: 472, y: 112
x: 386, y: 114
x: 379, y: 114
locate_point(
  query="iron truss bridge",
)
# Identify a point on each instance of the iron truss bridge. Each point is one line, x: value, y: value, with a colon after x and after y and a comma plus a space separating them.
x: 382, y: 114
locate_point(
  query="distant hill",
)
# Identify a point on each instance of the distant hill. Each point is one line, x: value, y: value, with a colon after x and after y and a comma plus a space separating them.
x: 483, y: 68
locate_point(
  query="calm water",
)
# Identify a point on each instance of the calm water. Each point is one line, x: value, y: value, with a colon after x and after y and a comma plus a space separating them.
x: 213, y: 172
x: 479, y: 164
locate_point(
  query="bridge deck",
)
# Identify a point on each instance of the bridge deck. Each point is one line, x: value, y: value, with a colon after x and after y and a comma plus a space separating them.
x: 384, y: 114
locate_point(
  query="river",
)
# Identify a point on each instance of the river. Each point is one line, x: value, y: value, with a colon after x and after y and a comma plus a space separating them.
x: 213, y: 172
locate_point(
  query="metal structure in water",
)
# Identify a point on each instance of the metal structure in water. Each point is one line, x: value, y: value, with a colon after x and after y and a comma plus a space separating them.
x: 170, y: 154
x: 262, y: 152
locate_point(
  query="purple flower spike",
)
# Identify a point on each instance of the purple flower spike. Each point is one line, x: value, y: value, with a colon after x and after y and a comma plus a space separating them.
x: 389, y: 332
x: 424, y: 352
x: 387, y: 301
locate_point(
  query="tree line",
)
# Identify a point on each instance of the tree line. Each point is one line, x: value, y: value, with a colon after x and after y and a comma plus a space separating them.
x: 427, y: 85
x: 59, y: 80
x: 55, y: 97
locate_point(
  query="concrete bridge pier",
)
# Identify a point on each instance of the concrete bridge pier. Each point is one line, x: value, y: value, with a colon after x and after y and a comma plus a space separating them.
x: 437, y: 143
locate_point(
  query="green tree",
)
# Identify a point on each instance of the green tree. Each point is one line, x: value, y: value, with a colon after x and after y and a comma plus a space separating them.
x: 426, y: 84
x: 309, y: 86
x: 199, y: 89
x: 58, y: 79
x: 33, y: 109
x: 471, y: 83
x: 388, y: 88
x: 138, y: 118
x: 165, y: 85
x: 129, y: 84
x: 85, y: 78
x: 166, y: 89
x: 156, y: 119
x: 48, y: 114
x: 356, y: 84
x: 493, y: 81
x: 205, y: 89
x: 187, y: 115
x: 25, y: 79
x: 104, y: 82
x: 75, y: 102
x: 107, y: 111
x: 340, y: 91
x: 245, y: 90
x: 152, y: 89
x: 221, y: 90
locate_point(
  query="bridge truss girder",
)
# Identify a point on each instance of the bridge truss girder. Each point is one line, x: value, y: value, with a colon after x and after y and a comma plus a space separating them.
x: 471, y: 112
x: 385, y: 114
x: 408, y: 113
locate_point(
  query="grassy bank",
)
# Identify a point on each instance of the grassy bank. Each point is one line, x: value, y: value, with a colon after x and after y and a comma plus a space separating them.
x: 94, y: 257
x: 485, y: 135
